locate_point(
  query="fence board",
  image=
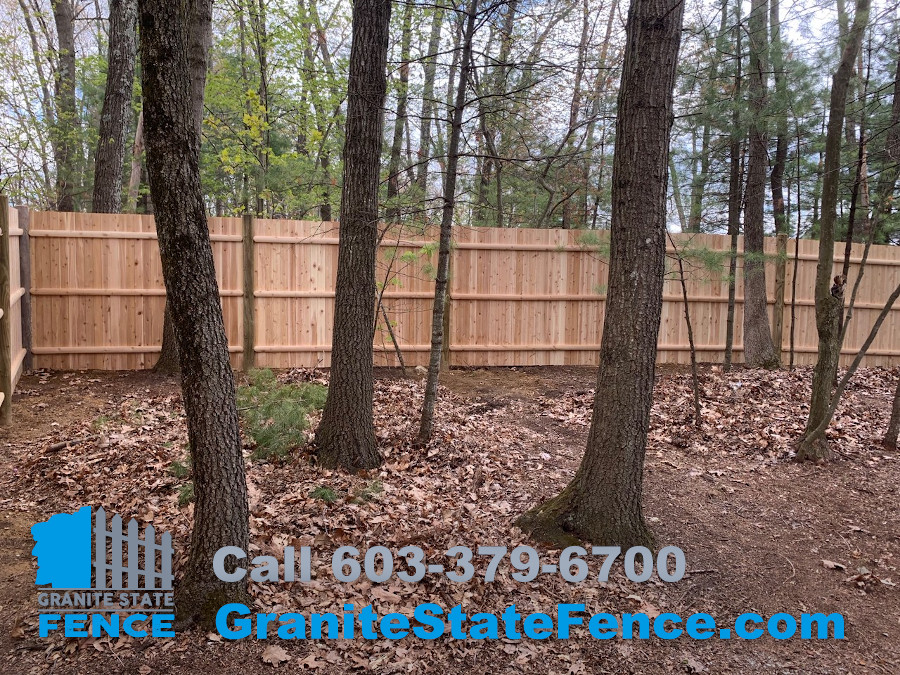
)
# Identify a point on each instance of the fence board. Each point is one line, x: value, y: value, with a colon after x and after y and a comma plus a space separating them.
x: 519, y: 296
x: 16, y: 296
x: 13, y: 354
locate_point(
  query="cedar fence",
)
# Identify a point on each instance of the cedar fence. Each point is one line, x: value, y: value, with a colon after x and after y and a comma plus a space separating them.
x: 13, y: 306
x: 518, y: 297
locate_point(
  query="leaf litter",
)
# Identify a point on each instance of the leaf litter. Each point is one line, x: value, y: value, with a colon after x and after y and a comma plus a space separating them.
x: 723, y: 487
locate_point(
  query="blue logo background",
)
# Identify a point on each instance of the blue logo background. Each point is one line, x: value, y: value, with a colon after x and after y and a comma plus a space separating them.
x: 63, y: 549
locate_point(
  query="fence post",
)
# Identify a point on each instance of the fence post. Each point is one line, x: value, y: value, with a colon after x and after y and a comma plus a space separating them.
x: 5, y: 317
x: 780, y: 274
x: 25, y: 274
x: 249, y: 301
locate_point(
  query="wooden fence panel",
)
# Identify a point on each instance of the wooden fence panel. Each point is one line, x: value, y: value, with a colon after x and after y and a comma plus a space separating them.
x: 98, y: 292
x: 17, y: 292
x: 296, y: 267
x: 12, y: 353
x: 517, y: 296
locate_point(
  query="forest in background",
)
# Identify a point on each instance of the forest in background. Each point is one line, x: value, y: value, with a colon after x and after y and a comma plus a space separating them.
x: 538, y: 125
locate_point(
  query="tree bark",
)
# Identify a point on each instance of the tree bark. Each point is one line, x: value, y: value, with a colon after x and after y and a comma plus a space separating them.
x: 781, y: 104
x: 758, y: 348
x: 258, y: 25
x: 137, y: 152
x: 113, y: 131
x: 426, y: 423
x: 601, y: 81
x: 735, y: 188
x: 676, y: 195
x: 893, y: 430
x: 221, y: 514
x: 885, y: 189
x: 346, y: 435
x: 574, y: 111
x: 37, y: 55
x: 199, y: 40
x: 393, y: 187
x: 828, y: 308
x: 603, y: 502
x: 67, y: 127
x: 698, y: 185
x: 497, y: 84
x: 428, y: 101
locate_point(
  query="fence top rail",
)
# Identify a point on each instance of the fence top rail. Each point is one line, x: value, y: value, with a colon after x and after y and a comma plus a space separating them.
x: 279, y: 230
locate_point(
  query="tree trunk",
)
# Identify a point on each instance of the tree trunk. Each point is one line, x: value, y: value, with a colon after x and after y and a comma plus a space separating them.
x: 676, y: 195
x: 199, y: 40
x: 67, y: 127
x: 893, y: 430
x: 885, y: 189
x: 258, y: 24
x: 392, y: 214
x: 495, y: 104
x: 221, y: 514
x: 603, y: 502
x: 137, y: 152
x: 428, y: 101
x: 346, y: 435
x: 828, y: 308
x: 600, y: 83
x: 698, y: 182
x: 38, y: 55
x: 113, y: 131
x: 698, y: 186
x: 781, y: 105
x: 758, y: 348
x: 735, y: 188
x: 426, y: 422
x: 574, y: 112
x: 168, y: 361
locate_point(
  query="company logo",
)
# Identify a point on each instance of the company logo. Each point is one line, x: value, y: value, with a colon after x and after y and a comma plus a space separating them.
x: 102, y: 579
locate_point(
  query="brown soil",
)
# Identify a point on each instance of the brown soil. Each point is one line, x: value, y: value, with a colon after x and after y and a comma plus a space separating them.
x: 760, y: 532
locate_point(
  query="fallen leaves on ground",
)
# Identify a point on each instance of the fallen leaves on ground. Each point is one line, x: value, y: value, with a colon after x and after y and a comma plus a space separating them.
x: 492, y: 457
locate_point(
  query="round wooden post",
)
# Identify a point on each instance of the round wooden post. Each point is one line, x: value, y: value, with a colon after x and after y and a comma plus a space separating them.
x: 25, y: 280
x: 5, y: 329
x: 249, y: 301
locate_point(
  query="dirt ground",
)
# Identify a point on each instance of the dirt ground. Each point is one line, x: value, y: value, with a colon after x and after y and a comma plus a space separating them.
x: 760, y: 532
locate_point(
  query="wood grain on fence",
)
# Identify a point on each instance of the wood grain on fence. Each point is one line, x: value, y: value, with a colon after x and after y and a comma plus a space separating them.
x: 12, y: 353
x: 519, y: 296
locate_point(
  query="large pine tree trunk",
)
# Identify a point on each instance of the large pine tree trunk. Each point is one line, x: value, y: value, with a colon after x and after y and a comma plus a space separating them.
x: 67, y: 129
x: 199, y: 40
x: 113, y: 131
x: 603, y: 502
x: 758, y: 348
x: 221, y: 514
x: 346, y: 435
x: 442, y: 277
x: 828, y: 308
